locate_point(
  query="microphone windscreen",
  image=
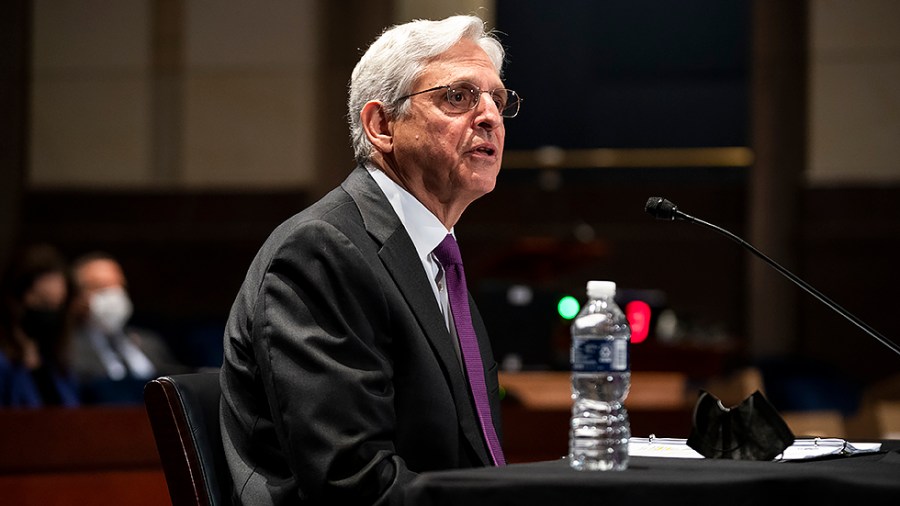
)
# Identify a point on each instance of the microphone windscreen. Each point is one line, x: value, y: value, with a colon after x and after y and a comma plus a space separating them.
x: 660, y: 208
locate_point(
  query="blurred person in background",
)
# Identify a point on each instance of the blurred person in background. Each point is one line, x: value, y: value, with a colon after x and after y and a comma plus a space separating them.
x: 34, y: 333
x: 111, y: 359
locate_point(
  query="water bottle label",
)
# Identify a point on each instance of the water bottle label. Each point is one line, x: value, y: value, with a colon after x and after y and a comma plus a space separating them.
x: 591, y: 355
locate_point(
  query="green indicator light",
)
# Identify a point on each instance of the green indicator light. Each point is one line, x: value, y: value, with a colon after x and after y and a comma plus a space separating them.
x: 568, y: 307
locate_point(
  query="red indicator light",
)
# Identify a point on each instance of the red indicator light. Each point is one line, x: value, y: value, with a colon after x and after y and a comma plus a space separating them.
x: 638, y: 314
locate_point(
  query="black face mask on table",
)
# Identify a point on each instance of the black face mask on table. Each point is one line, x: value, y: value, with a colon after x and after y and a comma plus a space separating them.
x: 752, y: 430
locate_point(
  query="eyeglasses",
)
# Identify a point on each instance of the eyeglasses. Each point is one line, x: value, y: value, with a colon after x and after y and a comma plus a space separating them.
x: 464, y: 96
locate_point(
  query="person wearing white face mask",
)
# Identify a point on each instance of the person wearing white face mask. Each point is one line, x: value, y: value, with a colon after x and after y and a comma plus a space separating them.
x: 109, y: 309
x: 112, y: 360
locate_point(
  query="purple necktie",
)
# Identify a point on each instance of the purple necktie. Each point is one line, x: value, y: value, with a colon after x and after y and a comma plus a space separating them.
x: 447, y: 252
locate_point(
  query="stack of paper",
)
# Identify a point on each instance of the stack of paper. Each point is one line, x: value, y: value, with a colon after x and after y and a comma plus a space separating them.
x: 801, y: 449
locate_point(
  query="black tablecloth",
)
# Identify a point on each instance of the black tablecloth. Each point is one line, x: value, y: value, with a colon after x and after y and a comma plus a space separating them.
x: 859, y: 480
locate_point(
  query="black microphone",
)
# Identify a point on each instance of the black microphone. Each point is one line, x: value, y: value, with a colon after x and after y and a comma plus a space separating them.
x: 663, y: 209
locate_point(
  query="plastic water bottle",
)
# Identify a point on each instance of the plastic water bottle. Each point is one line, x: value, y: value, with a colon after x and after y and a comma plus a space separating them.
x: 601, y: 378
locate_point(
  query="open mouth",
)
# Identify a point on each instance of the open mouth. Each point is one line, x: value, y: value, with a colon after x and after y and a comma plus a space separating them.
x: 485, y: 150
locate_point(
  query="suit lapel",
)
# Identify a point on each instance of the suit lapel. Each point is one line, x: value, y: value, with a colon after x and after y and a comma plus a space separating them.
x: 400, y: 258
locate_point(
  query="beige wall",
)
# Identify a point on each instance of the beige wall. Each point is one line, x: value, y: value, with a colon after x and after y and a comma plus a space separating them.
x: 406, y: 10
x: 237, y: 113
x: 90, y: 101
x: 854, y: 86
x: 249, y: 93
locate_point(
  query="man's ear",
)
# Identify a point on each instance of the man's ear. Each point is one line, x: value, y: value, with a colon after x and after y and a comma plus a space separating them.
x: 377, y: 125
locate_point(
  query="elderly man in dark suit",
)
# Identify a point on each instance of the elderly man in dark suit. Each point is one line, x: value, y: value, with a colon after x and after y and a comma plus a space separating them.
x: 350, y: 365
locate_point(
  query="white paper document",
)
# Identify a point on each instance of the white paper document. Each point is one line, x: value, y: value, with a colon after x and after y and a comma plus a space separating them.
x: 801, y: 449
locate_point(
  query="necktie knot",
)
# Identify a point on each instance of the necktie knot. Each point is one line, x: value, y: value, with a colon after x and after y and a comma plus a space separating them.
x: 447, y: 252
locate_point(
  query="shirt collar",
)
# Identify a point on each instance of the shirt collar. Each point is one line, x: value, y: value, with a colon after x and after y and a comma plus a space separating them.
x: 423, y: 227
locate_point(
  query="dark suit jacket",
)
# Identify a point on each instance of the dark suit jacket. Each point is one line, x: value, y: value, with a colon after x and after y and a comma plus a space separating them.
x: 340, y: 380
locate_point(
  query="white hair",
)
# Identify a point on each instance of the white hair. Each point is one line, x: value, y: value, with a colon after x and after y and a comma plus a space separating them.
x: 392, y: 63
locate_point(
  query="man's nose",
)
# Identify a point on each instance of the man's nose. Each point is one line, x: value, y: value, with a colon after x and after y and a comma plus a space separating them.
x: 488, y: 113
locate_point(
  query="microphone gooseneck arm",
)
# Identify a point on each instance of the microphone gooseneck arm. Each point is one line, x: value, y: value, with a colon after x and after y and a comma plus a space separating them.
x: 663, y: 209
